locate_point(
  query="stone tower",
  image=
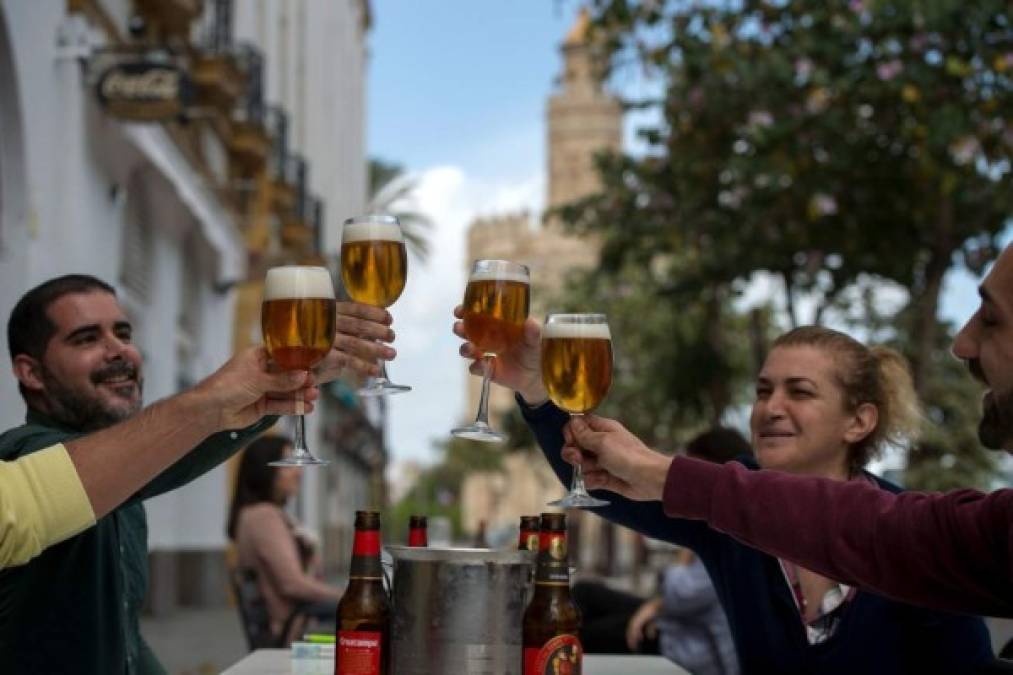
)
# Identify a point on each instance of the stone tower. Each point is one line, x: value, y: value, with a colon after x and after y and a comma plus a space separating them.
x: 583, y: 119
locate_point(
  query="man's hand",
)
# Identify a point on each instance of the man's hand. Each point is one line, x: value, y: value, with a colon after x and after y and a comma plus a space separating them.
x: 244, y: 390
x: 360, y: 329
x: 614, y: 459
x: 518, y: 368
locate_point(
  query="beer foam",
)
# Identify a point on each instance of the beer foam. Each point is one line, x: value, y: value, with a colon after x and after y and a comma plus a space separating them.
x: 492, y: 275
x: 368, y: 231
x: 296, y: 281
x: 588, y: 331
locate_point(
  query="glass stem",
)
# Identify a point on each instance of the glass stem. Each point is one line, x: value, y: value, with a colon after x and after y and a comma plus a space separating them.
x: 483, y: 402
x: 383, y: 367
x: 577, y: 485
x: 577, y: 481
x: 299, y: 443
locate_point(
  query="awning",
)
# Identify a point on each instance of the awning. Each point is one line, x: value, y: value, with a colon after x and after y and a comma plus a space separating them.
x: 217, y: 226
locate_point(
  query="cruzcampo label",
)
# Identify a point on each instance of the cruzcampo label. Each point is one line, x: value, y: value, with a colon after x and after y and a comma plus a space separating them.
x: 358, y: 653
x: 562, y: 655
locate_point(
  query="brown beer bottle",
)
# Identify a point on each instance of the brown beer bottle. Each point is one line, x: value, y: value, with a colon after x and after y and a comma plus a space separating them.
x: 527, y: 540
x: 363, y: 620
x: 552, y: 619
x: 418, y: 534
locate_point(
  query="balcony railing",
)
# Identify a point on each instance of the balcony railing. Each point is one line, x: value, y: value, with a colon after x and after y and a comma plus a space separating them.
x: 220, y: 82
x: 219, y: 39
x: 249, y: 142
x: 250, y: 108
x: 277, y: 124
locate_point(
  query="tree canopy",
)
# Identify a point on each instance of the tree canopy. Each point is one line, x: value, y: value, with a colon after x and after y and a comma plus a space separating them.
x: 834, y: 145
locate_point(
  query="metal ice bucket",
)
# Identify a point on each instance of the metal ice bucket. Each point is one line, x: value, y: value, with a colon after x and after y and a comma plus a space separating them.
x: 458, y: 610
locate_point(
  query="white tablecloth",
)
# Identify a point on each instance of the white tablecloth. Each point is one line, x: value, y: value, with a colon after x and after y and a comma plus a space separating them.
x: 277, y: 662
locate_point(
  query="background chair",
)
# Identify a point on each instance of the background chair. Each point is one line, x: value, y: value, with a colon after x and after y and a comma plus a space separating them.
x: 253, y: 613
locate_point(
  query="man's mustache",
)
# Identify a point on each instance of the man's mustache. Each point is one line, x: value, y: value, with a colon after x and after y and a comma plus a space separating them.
x: 114, y: 369
x: 974, y: 365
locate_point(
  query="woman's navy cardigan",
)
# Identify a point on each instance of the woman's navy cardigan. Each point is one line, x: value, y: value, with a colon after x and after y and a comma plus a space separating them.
x: 875, y: 635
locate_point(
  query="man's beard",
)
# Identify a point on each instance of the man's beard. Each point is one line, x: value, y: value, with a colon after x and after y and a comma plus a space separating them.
x: 995, y: 430
x: 85, y: 412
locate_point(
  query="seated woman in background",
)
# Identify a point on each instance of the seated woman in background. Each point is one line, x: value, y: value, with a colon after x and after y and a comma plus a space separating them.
x: 271, y: 543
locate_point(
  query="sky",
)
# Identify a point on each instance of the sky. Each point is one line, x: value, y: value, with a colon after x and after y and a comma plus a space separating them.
x: 456, y: 94
x: 457, y: 91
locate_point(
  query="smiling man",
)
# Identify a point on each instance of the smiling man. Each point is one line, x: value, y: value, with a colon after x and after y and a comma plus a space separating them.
x: 75, y: 608
x: 949, y: 551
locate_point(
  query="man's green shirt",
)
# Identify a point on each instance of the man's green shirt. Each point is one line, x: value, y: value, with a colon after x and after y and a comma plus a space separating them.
x: 74, y: 608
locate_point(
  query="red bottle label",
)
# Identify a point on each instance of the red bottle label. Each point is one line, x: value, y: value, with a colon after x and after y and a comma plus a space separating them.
x: 358, y: 653
x: 528, y: 541
x: 367, y: 542
x: 562, y: 655
x: 417, y: 537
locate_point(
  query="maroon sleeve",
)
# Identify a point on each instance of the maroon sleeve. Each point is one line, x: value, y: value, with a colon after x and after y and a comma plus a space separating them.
x: 950, y: 551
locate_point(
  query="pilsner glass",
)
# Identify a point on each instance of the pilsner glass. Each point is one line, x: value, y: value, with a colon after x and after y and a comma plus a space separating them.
x: 297, y: 319
x: 577, y: 372
x: 495, y: 306
x: 374, y: 269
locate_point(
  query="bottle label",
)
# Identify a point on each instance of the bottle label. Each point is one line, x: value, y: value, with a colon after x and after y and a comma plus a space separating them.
x: 417, y: 537
x: 367, y: 542
x: 553, y: 567
x: 562, y: 655
x: 358, y: 653
x: 528, y: 541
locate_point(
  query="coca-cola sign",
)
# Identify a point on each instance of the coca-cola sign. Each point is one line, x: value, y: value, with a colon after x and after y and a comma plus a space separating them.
x: 143, y: 91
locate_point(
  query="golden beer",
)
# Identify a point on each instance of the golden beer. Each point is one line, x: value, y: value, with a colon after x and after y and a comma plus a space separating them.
x: 374, y: 262
x: 577, y: 365
x: 298, y: 315
x: 298, y: 332
x: 495, y: 311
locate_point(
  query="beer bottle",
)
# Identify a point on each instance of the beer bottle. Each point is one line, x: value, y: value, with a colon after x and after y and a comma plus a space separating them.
x: 528, y: 538
x: 417, y: 531
x: 363, y: 618
x: 552, y: 619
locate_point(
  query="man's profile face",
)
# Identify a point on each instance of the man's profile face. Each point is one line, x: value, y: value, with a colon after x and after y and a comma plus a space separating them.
x: 91, y: 370
x: 985, y: 343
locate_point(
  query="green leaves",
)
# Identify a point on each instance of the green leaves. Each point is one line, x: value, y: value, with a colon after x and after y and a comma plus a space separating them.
x: 825, y: 143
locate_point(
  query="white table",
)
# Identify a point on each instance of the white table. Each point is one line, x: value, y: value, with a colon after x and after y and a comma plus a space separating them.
x: 276, y: 662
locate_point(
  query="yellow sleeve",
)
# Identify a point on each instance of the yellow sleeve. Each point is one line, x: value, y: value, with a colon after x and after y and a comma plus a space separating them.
x: 42, y: 502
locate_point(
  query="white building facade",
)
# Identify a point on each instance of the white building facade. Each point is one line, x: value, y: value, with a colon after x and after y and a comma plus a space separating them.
x: 146, y: 206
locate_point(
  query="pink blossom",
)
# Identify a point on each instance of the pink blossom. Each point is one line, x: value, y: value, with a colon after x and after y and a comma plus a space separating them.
x: 803, y: 68
x: 823, y: 204
x: 965, y: 149
x: 760, y: 118
x: 889, y: 70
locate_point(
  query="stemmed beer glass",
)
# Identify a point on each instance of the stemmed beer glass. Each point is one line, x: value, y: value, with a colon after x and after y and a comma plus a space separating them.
x: 374, y: 269
x: 297, y: 320
x: 577, y: 373
x: 496, y: 303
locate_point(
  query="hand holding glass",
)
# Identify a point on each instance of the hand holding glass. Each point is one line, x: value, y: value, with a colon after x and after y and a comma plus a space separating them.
x: 374, y: 269
x: 297, y: 320
x: 496, y: 303
x: 577, y: 373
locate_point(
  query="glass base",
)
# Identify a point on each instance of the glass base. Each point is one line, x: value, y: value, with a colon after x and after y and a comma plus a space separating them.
x: 479, y: 432
x: 377, y: 387
x: 304, y: 460
x: 578, y: 500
